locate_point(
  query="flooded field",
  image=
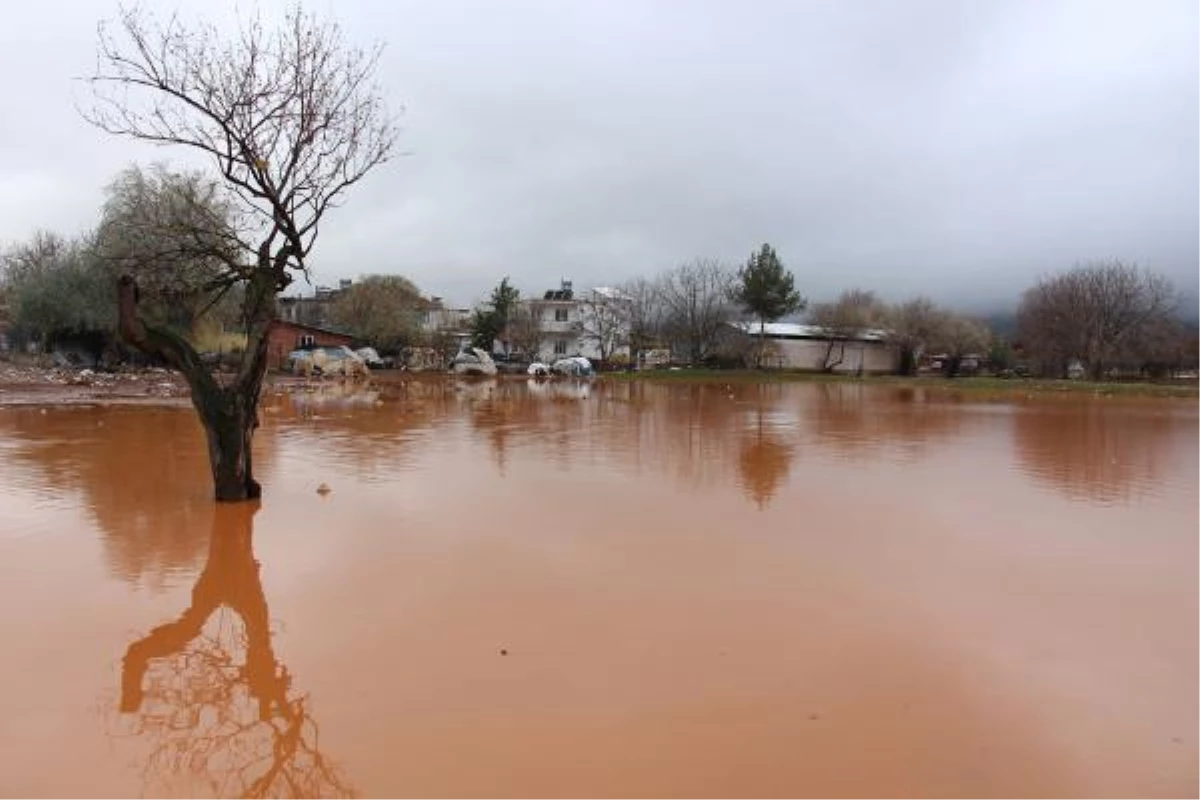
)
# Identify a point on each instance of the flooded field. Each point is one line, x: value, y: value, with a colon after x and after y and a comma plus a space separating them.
x: 518, y: 589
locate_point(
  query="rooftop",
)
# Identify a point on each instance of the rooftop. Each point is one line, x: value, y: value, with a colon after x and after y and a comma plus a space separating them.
x: 795, y: 330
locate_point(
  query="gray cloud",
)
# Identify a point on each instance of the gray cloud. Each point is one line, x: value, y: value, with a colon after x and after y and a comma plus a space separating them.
x: 952, y: 148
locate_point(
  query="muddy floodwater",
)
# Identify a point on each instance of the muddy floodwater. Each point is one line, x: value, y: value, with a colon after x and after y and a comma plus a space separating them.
x: 561, y: 589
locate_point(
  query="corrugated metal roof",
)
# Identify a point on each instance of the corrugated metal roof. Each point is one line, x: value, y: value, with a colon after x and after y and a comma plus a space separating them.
x: 796, y: 330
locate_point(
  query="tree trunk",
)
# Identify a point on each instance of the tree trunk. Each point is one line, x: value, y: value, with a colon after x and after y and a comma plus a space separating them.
x: 229, y: 413
x: 830, y: 366
x: 908, y: 361
x: 229, y: 426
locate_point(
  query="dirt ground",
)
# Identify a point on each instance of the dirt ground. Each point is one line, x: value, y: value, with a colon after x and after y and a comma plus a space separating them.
x: 34, y: 385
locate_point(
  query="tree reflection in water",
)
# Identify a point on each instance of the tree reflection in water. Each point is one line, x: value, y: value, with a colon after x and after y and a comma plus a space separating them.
x: 211, y: 697
x: 765, y: 459
x: 1099, y: 450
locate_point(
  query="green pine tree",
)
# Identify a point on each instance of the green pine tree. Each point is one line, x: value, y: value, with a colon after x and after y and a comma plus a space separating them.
x: 487, y: 323
x: 767, y: 290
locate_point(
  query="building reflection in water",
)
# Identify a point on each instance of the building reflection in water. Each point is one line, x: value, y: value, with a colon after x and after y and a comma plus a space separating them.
x: 206, y: 694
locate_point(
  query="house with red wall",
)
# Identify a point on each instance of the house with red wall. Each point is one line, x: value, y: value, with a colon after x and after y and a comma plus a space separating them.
x: 284, y: 337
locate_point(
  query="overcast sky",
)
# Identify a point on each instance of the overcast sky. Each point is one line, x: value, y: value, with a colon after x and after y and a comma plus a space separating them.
x: 957, y: 149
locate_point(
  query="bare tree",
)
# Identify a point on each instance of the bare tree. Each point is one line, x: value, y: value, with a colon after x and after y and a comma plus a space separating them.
x: 291, y: 120
x: 523, y: 330
x: 854, y: 313
x: 1097, y: 313
x: 645, y: 317
x: 956, y: 337
x: 912, y: 327
x: 696, y: 302
x: 604, y: 317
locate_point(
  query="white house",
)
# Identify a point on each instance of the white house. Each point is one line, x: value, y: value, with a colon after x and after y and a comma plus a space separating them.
x: 791, y: 345
x: 437, y: 318
x: 593, y: 325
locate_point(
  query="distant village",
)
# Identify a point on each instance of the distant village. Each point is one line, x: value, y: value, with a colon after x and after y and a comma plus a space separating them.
x: 562, y: 322
x: 1101, y: 320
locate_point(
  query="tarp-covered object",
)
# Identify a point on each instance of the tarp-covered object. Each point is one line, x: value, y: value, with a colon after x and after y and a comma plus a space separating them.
x: 577, y: 366
x: 473, y: 361
x: 370, y: 357
x: 337, y: 361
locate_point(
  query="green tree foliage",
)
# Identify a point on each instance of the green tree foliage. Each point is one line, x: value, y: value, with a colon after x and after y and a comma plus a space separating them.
x: 488, y: 321
x: 166, y: 228
x: 55, y: 290
x: 177, y: 234
x: 765, y: 288
x: 382, y: 310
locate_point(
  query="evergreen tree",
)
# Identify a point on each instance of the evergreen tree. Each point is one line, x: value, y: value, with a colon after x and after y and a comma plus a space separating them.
x: 488, y: 322
x: 766, y: 289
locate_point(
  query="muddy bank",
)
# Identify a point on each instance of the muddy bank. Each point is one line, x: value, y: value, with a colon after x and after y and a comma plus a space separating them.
x: 29, y: 385
x: 55, y: 386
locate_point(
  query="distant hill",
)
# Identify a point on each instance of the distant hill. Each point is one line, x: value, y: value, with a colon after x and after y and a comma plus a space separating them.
x: 1001, y: 323
x: 1004, y: 323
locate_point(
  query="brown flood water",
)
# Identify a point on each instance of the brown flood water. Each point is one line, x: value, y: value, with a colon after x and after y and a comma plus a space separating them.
x: 634, y: 589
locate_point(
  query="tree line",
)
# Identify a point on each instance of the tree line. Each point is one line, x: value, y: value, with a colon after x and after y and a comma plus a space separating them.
x: 165, y: 229
x: 1096, y: 317
x: 1099, y: 317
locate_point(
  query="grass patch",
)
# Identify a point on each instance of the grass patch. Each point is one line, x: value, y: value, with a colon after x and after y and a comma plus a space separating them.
x: 975, y: 385
x: 217, y: 342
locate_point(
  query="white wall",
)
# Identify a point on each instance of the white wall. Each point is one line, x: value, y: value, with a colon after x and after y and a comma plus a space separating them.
x: 809, y: 354
x: 565, y: 331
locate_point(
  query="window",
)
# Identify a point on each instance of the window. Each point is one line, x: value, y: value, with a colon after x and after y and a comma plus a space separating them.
x: 307, y: 340
x: 560, y: 346
x: 560, y: 315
